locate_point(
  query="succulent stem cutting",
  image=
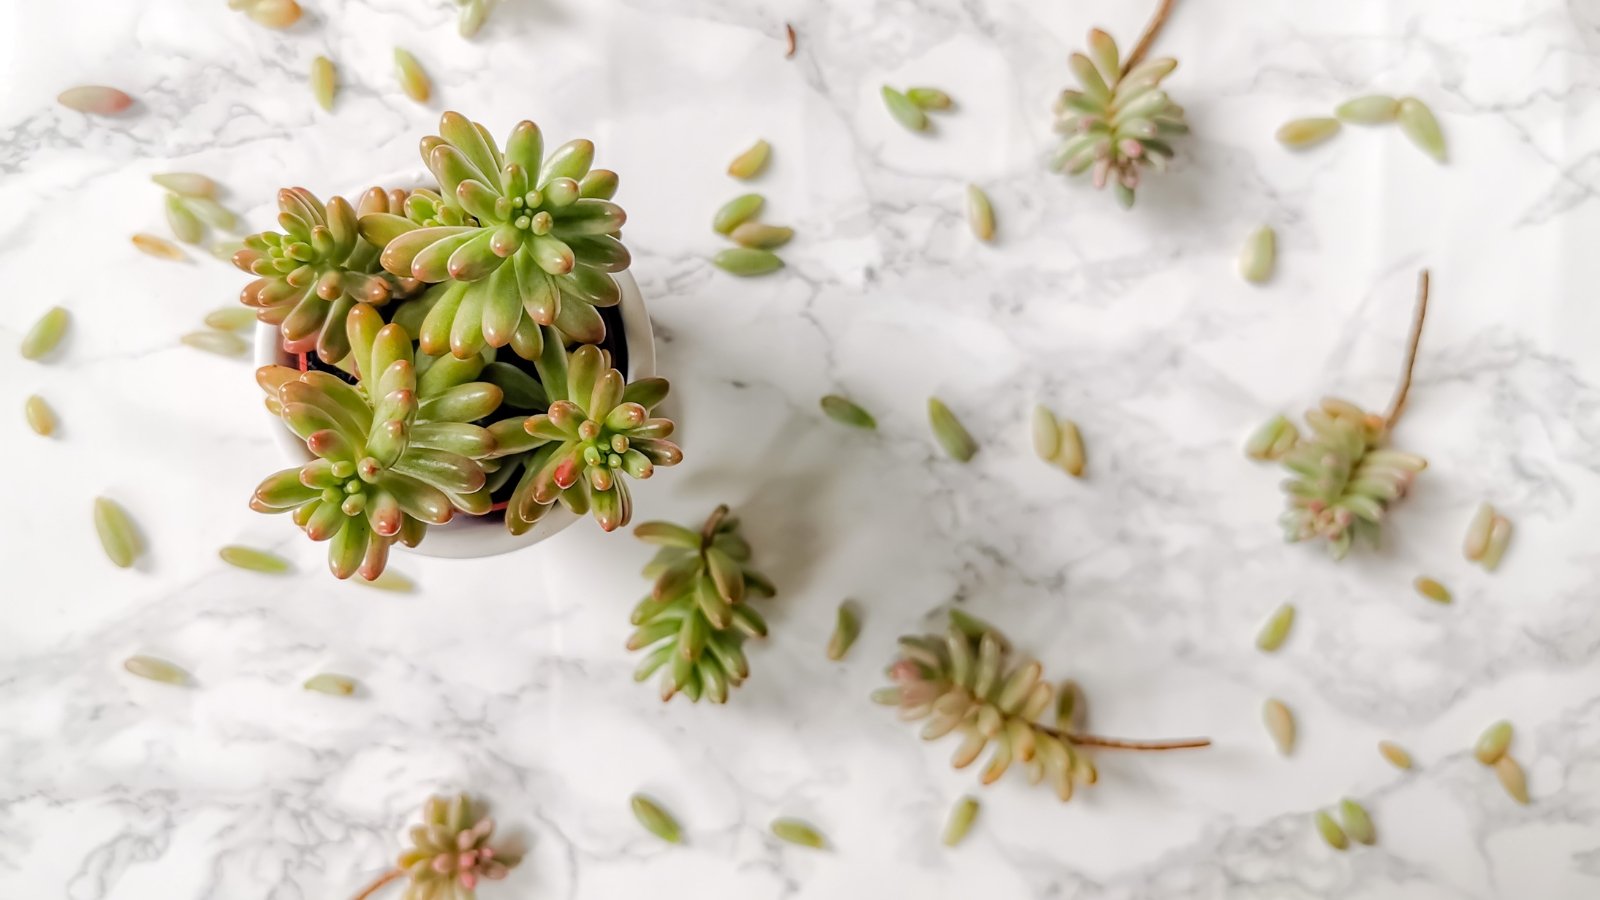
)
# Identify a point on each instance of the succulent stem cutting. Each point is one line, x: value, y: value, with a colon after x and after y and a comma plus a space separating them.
x: 450, y: 854
x: 1119, y: 122
x: 696, y: 615
x: 965, y: 682
x: 1344, y: 478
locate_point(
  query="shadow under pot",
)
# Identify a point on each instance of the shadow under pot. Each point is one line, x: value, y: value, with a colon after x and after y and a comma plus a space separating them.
x: 629, y: 339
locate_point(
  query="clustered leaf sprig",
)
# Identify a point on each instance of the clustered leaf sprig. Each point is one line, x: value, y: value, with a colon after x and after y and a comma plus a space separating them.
x: 450, y: 853
x: 965, y: 682
x: 394, y: 453
x: 697, y: 616
x: 313, y: 272
x: 1119, y: 121
x: 513, y: 240
x: 1343, y: 478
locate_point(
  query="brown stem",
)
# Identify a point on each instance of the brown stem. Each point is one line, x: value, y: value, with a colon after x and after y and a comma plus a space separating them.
x: 1399, y: 402
x: 1149, y: 37
x: 383, y: 879
x: 1089, y: 740
x: 709, y: 531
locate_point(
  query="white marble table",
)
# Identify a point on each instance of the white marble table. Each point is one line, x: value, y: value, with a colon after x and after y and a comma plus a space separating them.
x: 1145, y: 581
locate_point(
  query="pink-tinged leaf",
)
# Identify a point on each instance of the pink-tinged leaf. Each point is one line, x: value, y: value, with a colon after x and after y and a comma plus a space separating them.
x: 96, y: 99
x: 566, y: 473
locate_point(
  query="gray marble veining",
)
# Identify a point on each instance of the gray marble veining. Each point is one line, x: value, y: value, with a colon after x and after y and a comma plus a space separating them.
x: 1145, y: 581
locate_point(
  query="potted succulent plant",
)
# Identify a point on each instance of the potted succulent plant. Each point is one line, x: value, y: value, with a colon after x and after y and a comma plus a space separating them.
x: 469, y: 354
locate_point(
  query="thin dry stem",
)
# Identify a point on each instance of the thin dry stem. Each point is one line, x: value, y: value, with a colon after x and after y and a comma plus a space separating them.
x: 710, y: 529
x: 1398, y: 404
x: 377, y: 885
x: 1147, y: 39
x: 1091, y: 740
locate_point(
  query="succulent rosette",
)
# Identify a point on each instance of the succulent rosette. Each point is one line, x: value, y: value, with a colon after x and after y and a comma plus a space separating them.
x: 596, y: 433
x: 1118, y: 121
x: 452, y: 851
x: 515, y: 240
x: 313, y: 272
x: 393, y: 453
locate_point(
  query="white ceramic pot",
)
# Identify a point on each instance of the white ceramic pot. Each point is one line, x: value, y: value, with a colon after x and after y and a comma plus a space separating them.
x: 468, y: 537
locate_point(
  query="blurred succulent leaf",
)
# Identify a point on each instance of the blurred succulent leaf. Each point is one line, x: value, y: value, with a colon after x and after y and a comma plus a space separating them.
x: 1418, y: 124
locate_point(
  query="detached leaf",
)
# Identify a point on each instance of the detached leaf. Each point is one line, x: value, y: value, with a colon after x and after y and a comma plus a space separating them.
x: 952, y: 436
x: 799, y: 833
x: 118, y: 537
x: 156, y: 670
x: 1418, y: 123
x: 656, y: 820
x: 846, y: 412
x: 329, y: 683
x: 751, y: 162
x: 908, y: 114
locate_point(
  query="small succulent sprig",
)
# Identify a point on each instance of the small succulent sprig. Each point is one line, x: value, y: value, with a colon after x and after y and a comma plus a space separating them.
x: 597, y: 429
x: 519, y: 240
x: 449, y: 855
x: 394, y: 452
x: 1119, y: 121
x: 965, y: 681
x: 696, y: 617
x: 313, y: 272
x: 1344, y: 478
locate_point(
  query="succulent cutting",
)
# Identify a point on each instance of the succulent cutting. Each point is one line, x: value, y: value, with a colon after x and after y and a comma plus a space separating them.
x: 314, y: 271
x: 966, y: 682
x: 1343, y: 478
x: 1118, y: 122
x: 393, y: 453
x: 449, y: 855
x: 596, y: 432
x: 696, y: 618
x: 517, y: 239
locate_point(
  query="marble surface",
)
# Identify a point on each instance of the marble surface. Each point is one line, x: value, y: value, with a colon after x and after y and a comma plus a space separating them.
x: 1145, y: 581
